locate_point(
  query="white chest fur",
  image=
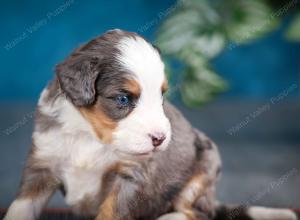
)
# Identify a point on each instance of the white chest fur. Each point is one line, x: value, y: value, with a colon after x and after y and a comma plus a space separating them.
x: 82, y: 172
x: 81, y: 183
x: 79, y: 161
x: 72, y: 150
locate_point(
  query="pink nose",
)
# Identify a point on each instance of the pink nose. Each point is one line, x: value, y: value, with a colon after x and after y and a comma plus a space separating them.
x: 157, y: 138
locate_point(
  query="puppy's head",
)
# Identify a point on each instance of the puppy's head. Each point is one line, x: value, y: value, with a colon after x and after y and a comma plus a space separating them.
x: 117, y: 82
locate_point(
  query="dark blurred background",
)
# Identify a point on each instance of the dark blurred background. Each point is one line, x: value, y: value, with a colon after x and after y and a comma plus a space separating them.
x: 234, y: 68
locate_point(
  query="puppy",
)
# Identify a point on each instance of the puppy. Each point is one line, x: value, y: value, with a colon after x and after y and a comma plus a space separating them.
x: 106, y: 138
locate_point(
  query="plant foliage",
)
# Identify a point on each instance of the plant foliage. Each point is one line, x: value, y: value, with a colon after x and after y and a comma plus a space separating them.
x: 199, y: 30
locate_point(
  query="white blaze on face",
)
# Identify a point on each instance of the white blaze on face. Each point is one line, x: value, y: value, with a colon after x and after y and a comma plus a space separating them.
x: 140, y: 59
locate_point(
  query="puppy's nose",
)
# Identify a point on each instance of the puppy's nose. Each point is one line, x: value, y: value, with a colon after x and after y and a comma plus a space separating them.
x: 157, y: 138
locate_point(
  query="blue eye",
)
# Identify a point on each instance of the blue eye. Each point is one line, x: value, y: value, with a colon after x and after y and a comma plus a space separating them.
x: 122, y: 100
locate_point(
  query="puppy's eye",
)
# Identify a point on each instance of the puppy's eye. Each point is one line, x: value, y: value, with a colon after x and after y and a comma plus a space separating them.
x: 123, y: 100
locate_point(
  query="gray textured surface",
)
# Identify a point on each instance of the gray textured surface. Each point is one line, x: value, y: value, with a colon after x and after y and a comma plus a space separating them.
x: 261, y: 160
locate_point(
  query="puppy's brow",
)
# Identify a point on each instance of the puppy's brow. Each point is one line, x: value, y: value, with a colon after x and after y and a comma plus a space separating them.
x: 133, y: 87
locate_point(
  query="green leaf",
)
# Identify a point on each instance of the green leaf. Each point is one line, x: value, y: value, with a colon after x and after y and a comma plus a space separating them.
x: 293, y: 32
x: 193, y: 25
x: 197, y: 31
x: 193, y: 35
x: 246, y: 20
x: 200, y: 85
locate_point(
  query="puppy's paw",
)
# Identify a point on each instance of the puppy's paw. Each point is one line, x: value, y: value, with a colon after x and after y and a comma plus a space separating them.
x: 206, y: 205
x: 173, y: 216
x: 131, y: 171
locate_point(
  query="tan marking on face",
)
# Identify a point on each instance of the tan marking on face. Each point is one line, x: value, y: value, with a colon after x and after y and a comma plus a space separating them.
x: 101, y: 123
x: 165, y: 85
x: 133, y: 87
x: 193, y: 189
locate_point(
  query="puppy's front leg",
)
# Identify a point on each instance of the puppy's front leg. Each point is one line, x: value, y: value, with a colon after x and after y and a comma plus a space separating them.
x: 122, y: 179
x: 191, y: 192
x: 37, y: 186
x: 108, y: 207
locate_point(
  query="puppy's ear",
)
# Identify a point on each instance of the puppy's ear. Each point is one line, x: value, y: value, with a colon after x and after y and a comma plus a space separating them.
x: 77, y: 77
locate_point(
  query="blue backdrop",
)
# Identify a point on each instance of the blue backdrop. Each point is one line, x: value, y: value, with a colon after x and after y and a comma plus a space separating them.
x: 38, y: 34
